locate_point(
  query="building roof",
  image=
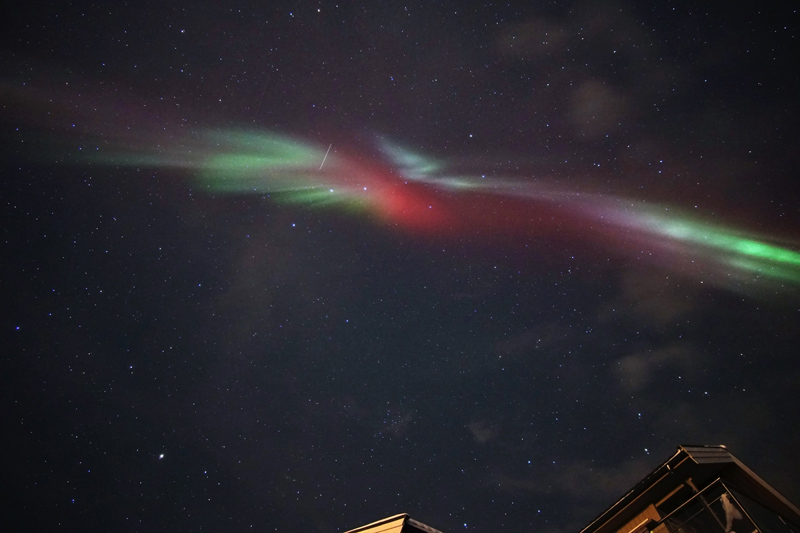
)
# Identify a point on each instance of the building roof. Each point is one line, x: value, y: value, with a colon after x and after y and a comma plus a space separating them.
x: 699, y: 466
x: 399, y: 523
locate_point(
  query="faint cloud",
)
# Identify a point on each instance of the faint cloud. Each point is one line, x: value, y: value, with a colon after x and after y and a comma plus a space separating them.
x: 483, y: 431
x: 635, y: 371
x: 596, y: 108
x: 581, y: 480
x: 649, y: 294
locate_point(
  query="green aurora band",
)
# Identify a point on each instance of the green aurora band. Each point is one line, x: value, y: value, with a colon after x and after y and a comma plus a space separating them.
x: 742, y: 252
x: 249, y: 162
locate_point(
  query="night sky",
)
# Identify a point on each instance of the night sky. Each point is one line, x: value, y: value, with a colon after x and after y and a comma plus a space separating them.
x: 283, y: 266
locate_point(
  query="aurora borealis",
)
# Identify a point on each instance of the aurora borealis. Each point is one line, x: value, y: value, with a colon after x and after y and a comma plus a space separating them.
x: 416, y: 193
x: 298, y: 267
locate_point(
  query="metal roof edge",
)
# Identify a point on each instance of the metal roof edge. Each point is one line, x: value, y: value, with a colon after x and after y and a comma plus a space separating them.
x: 379, y: 522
